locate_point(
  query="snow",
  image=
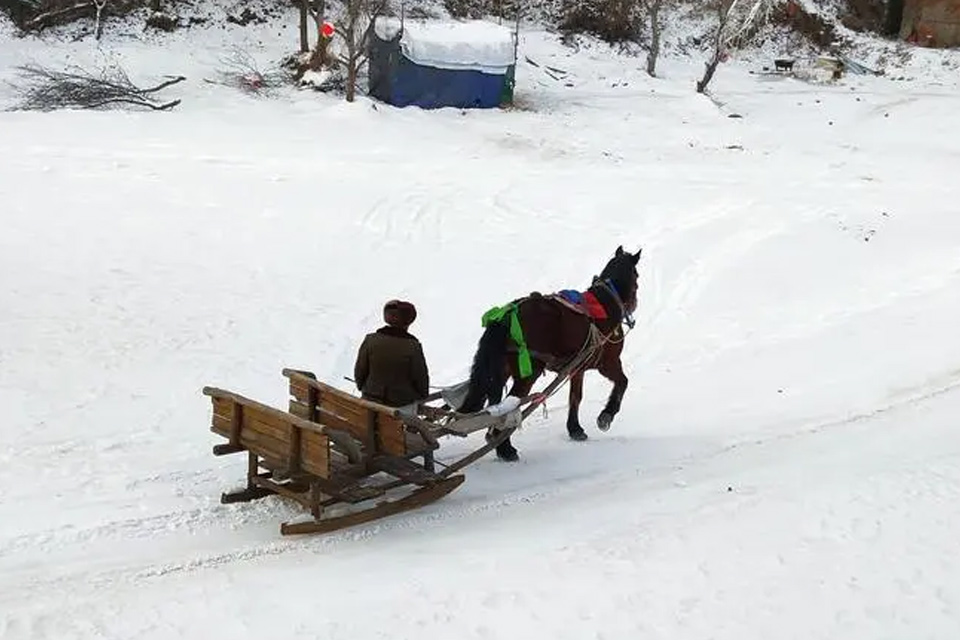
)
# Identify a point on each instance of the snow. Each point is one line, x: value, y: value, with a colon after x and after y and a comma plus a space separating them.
x: 505, y: 406
x: 786, y: 463
x: 452, y: 44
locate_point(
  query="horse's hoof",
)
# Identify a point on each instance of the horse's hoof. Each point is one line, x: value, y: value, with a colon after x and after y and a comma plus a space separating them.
x: 579, y: 435
x: 508, y: 455
x: 604, y: 420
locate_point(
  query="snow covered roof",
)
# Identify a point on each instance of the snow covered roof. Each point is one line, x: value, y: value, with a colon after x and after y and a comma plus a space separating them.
x: 452, y: 44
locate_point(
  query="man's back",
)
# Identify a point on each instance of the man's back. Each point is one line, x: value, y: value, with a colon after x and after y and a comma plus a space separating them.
x: 391, y: 368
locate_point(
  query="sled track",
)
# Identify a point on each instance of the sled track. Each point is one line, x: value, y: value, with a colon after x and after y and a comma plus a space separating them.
x: 447, y: 511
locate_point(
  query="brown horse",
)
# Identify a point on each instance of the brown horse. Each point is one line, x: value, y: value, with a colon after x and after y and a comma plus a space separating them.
x: 554, y: 333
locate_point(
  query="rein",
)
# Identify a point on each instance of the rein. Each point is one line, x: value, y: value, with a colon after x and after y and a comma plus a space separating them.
x: 607, y: 284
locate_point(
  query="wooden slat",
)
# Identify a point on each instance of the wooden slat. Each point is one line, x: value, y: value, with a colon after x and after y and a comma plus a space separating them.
x: 315, y: 453
x: 223, y: 406
x: 357, y: 430
x: 222, y: 416
x: 275, y: 418
x: 265, y: 444
x: 303, y: 381
x: 342, y: 439
x: 299, y: 390
x: 333, y: 400
x: 404, y: 469
x: 392, y: 436
x: 278, y: 436
x: 328, y: 419
x: 341, y: 406
x: 299, y: 409
x: 223, y: 426
x: 272, y: 414
x: 295, y: 453
x: 317, y: 464
x: 341, y: 410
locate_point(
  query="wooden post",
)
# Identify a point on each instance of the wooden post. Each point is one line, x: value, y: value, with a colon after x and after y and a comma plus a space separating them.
x: 236, y: 421
x: 372, y: 448
x: 293, y: 467
x: 253, y: 466
x: 315, y: 507
x: 428, y: 461
x: 313, y: 404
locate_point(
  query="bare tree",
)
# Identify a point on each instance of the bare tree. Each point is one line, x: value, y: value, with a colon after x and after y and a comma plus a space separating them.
x: 98, y: 20
x: 304, y: 37
x: 655, y: 29
x: 310, y: 9
x: 723, y: 17
x: 737, y: 21
x: 354, y: 27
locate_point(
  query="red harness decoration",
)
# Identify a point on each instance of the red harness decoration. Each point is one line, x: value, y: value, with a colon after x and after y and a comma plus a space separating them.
x: 593, y: 306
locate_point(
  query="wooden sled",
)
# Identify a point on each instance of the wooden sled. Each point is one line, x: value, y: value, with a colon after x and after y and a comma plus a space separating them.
x: 333, y: 452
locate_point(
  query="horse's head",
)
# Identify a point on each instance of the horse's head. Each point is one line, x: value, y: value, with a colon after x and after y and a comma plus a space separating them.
x: 621, y: 272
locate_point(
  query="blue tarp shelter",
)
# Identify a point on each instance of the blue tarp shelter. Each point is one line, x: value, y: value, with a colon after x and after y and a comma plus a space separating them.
x: 432, y: 64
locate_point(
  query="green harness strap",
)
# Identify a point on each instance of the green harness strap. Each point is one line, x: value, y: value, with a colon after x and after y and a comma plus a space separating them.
x: 497, y: 314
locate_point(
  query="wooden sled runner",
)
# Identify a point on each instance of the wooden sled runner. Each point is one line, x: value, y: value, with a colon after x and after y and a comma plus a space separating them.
x: 346, y: 460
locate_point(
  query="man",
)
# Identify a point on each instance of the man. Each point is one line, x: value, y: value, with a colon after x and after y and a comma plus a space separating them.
x: 391, y: 368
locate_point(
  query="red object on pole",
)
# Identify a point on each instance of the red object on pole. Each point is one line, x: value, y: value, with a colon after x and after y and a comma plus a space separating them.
x: 327, y: 30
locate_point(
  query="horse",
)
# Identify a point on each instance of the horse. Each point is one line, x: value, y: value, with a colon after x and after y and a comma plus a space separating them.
x: 537, y: 333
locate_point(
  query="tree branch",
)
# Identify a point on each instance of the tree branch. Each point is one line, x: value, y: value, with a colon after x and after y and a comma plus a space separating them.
x: 163, y: 85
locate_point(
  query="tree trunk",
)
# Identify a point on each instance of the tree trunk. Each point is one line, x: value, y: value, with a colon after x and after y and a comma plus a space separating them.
x: 98, y: 26
x: 351, y: 80
x: 703, y: 82
x: 893, y: 18
x: 304, y: 12
x: 654, y: 38
x: 352, y: 55
x: 724, y: 8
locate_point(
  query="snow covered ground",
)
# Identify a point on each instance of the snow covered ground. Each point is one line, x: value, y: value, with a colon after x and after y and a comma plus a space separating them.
x: 786, y: 463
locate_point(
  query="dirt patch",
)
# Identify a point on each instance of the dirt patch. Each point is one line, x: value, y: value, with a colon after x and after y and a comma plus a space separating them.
x: 812, y: 27
x: 864, y: 15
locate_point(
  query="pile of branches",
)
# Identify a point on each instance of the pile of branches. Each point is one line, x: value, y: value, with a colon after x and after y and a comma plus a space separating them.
x: 241, y: 71
x: 44, y: 89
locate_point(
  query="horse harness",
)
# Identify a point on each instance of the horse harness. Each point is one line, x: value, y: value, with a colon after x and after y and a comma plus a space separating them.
x: 589, y: 354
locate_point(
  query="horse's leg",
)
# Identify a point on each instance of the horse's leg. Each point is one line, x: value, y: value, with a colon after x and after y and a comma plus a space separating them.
x: 611, y: 368
x: 574, y: 429
x: 521, y: 387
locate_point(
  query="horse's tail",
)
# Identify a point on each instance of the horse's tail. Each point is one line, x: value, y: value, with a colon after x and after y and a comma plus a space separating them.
x: 488, y: 373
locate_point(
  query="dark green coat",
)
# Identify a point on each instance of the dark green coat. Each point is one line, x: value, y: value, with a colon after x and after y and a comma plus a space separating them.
x: 391, y: 368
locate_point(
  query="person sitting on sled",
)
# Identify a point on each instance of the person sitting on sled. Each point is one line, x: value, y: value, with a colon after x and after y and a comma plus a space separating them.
x: 391, y: 368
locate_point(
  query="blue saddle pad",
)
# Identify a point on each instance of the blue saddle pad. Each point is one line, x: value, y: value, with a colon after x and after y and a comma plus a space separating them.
x: 572, y: 296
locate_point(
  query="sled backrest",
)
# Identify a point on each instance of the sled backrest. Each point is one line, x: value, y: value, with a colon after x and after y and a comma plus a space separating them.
x: 376, y: 426
x: 282, y: 440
